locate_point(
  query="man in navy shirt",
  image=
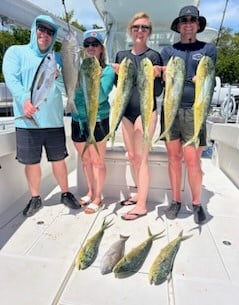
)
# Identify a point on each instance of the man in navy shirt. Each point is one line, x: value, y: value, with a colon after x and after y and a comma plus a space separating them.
x: 191, y: 50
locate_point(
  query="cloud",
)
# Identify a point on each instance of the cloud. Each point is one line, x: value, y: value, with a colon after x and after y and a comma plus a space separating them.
x: 84, y: 10
x: 214, y: 13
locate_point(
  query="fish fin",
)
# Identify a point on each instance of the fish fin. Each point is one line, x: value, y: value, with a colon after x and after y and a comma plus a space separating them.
x: 107, y: 224
x: 87, y: 144
x: 163, y: 135
x: 194, y: 140
x: 186, y: 237
x: 96, y: 147
x: 155, y: 236
x: 23, y: 117
x: 70, y: 107
x: 85, y: 148
x: 106, y: 138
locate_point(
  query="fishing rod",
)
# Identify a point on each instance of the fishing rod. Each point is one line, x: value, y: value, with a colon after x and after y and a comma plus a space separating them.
x: 221, y: 25
x: 67, y: 15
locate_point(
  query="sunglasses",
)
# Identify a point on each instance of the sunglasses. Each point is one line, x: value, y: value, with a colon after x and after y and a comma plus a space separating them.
x: 143, y: 27
x: 94, y: 44
x: 191, y: 19
x: 44, y: 29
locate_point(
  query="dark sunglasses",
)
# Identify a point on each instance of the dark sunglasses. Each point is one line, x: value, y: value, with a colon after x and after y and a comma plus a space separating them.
x: 94, y: 44
x: 143, y: 27
x: 191, y: 19
x: 44, y: 29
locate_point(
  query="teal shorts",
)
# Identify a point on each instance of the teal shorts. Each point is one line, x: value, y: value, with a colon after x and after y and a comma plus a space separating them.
x: 183, y: 127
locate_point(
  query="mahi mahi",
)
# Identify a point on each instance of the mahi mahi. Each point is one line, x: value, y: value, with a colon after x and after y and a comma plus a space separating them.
x: 205, y: 82
x: 122, y: 95
x: 163, y: 263
x: 174, y: 84
x: 90, y: 72
x: 132, y: 261
x: 89, y: 251
x: 145, y: 85
x: 113, y: 255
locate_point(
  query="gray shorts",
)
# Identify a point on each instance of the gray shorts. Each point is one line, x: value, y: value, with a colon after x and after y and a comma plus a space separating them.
x: 31, y: 141
x: 183, y: 127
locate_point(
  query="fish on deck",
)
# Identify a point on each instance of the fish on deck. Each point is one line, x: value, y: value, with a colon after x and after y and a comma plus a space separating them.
x: 131, y: 262
x: 113, y: 255
x: 89, y: 251
x: 163, y: 263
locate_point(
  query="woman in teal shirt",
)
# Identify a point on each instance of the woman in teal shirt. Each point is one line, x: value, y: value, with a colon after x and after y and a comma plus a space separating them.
x: 93, y: 163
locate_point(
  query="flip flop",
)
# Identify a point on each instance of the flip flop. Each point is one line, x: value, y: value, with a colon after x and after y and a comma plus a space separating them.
x: 92, y: 208
x: 136, y: 216
x: 130, y: 202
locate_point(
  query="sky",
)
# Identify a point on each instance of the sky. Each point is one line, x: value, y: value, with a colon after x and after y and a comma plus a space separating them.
x: 86, y: 14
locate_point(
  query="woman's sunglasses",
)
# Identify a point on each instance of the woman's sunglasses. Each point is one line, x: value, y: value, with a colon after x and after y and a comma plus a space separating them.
x: 143, y: 27
x: 44, y: 29
x: 94, y: 44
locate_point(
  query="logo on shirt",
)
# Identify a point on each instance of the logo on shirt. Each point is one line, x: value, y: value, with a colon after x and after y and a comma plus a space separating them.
x: 197, y: 56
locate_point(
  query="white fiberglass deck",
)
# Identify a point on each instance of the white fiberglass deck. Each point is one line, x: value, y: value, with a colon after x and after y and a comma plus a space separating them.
x: 37, y: 254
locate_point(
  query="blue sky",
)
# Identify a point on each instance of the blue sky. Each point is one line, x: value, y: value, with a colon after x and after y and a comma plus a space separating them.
x: 86, y: 14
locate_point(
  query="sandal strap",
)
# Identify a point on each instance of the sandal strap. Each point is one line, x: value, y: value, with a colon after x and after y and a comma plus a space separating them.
x: 93, y: 206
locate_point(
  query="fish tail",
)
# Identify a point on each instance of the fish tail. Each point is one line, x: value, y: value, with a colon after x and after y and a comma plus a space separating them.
x: 154, y: 236
x: 163, y: 135
x: 186, y: 237
x: 85, y: 148
x: 107, y: 224
x: 96, y: 147
x: 70, y: 107
x: 182, y: 238
x: 23, y: 117
x: 106, y: 138
x: 194, y: 141
x: 87, y: 144
x: 112, y: 139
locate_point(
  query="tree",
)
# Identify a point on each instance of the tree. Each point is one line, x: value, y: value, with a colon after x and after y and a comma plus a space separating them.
x: 227, y: 66
x: 17, y: 36
x: 68, y: 19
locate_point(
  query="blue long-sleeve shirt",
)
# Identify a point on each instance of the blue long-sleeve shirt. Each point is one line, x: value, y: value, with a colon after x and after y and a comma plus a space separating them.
x: 20, y: 64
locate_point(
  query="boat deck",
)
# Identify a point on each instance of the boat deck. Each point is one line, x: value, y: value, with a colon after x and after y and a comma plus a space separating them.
x: 37, y: 254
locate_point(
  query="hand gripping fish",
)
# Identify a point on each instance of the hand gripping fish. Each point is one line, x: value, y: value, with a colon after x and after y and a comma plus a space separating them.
x: 42, y: 82
x: 163, y: 263
x: 205, y: 82
x: 174, y: 84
